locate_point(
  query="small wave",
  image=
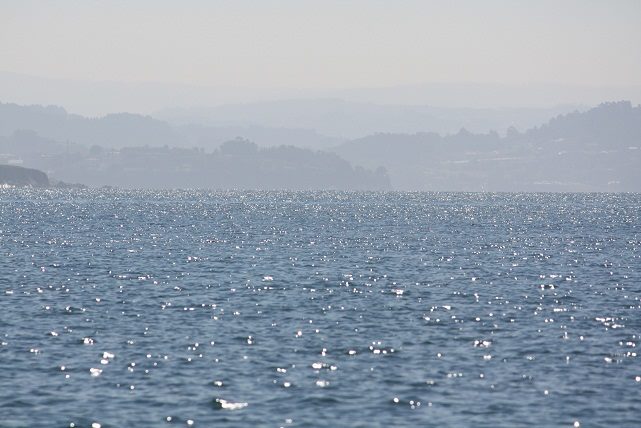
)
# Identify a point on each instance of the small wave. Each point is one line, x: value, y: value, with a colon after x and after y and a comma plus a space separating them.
x: 229, y: 405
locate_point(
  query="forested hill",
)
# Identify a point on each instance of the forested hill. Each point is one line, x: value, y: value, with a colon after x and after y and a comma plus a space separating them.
x: 237, y: 164
x: 610, y: 125
x: 597, y: 150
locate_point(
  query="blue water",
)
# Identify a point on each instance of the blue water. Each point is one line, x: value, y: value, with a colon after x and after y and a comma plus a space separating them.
x: 277, y: 309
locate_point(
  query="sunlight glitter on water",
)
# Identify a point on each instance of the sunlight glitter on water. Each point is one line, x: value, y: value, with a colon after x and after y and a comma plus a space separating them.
x: 326, y: 301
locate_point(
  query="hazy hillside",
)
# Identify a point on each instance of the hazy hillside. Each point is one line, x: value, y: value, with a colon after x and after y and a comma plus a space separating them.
x: 301, y: 123
x: 197, y: 135
x: 100, y: 97
x: 113, y: 130
x: 598, y: 150
x: 126, y: 129
x: 344, y: 119
x: 238, y: 164
x: 131, y: 150
x: 594, y: 150
x: 608, y: 125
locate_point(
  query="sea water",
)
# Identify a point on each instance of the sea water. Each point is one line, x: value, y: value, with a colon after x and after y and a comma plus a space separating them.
x: 190, y: 308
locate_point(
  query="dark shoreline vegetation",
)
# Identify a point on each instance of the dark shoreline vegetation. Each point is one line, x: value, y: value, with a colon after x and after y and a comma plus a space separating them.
x: 18, y: 176
x: 597, y: 150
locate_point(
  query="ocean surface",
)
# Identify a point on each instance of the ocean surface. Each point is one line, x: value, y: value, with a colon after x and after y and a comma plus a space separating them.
x: 236, y: 309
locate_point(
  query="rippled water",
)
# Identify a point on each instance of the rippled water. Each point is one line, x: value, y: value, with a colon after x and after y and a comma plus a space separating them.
x: 319, y: 309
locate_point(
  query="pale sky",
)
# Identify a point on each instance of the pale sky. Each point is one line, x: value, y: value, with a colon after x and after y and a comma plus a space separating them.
x: 324, y: 44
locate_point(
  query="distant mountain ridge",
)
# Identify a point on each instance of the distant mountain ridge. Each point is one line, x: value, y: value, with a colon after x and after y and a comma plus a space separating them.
x: 237, y: 164
x: 113, y: 130
x: 348, y: 120
x: 594, y: 150
x: 127, y: 130
x: 97, y: 98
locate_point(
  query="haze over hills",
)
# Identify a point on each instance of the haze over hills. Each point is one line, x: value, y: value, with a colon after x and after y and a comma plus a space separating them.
x: 598, y: 150
x: 92, y: 98
x: 127, y: 129
x: 314, y: 124
x: 134, y: 151
x: 595, y: 150
x: 113, y: 130
x: 490, y: 96
x: 343, y: 119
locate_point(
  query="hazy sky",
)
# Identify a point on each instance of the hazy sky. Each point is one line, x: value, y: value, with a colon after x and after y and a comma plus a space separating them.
x: 324, y: 44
